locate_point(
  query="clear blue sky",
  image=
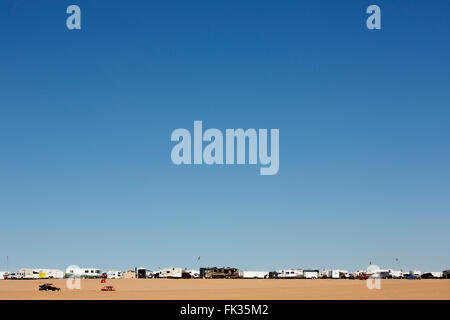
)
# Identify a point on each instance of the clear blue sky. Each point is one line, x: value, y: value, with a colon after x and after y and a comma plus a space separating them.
x: 86, y: 117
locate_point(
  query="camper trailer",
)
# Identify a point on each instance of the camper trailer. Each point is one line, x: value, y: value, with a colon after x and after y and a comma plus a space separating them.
x: 395, y: 274
x: 253, y: 274
x: 83, y: 272
x: 289, y: 273
x: 171, y: 273
x: 27, y: 274
x: 112, y: 274
x: 311, y: 274
x: 219, y: 273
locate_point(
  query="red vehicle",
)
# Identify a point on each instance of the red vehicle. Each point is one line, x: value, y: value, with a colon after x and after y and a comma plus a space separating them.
x: 363, y: 276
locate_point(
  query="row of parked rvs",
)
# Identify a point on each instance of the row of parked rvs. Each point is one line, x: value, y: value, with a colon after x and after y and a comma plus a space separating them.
x: 218, y: 273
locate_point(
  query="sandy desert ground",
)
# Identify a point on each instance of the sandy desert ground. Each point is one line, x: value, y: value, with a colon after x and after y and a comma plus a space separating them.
x: 238, y: 289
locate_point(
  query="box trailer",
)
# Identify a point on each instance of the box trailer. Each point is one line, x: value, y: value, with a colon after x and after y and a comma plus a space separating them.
x: 27, y: 274
x: 50, y: 273
x: 141, y: 273
x: 245, y: 274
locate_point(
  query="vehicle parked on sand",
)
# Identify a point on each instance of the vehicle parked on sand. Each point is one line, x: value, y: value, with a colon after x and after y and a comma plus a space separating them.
x: 219, y: 273
x: 289, y: 274
x: 108, y: 288
x: 48, y: 287
x: 169, y: 273
x: 245, y: 274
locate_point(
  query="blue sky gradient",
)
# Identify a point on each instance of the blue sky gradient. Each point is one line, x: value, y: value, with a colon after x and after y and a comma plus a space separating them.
x: 86, y: 118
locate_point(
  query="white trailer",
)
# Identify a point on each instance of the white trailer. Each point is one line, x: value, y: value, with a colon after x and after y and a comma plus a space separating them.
x: 311, y: 274
x: 3, y: 275
x: 245, y: 274
x: 170, y: 273
x: 27, y: 274
x: 290, y: 273
x: 396, y: 274
x: 50, y: 273
x: 83, y: 272
x: 113, y: 274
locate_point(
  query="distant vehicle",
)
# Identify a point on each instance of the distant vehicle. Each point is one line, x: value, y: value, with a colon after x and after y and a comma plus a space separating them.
x: 219, y: 273
x: 311, y: 274
x: 169, y: 273
x: 85, y: 273
x: 194, y: 273
x: 363, y: 276
x: 273, y: 275
x: 48, y: 287
x: 11, y: 276
x: 395, y: 274
x: 141, y: 273
x: 186, y: 274
x: 253, y: 274
x: 108, y: 288
x: 113, y: 274
x: 289, y: 274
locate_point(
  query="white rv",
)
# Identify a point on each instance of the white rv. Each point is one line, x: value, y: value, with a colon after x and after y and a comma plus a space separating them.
x: 50, y: 273
x: 311, y: 274
x: 3, y: 275
x: 170, y: 273
x: 112, y: 274
x: 253, y: 274
x: 396, y: 274
x: 290, y: 273
x: 27, y: 273
x: 83, y: 272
